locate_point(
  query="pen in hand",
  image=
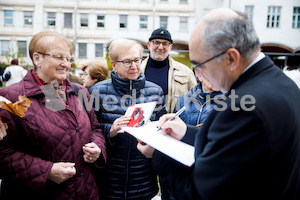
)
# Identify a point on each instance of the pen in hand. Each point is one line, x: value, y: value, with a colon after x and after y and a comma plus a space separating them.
x: 176, y: 115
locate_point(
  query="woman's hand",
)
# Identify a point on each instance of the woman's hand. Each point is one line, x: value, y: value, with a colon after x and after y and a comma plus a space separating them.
x: 118, y: 123
x: 91, y: 152
x: 61, y: 172
x: 3, y: 127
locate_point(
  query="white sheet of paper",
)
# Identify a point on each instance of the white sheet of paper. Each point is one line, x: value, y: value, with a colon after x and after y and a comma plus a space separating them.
x: 178, y: 150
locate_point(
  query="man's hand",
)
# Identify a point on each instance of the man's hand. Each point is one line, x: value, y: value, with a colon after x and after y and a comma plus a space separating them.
x: 61, y: 172
x: 175, y: 128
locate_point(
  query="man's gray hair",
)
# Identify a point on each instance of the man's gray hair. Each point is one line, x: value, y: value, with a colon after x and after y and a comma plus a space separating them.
x: 237, y: 32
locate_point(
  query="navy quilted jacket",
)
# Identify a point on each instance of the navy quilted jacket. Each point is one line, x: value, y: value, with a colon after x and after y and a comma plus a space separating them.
x: 199, y: 105
x: 43, y: 137
x: 128, y: 174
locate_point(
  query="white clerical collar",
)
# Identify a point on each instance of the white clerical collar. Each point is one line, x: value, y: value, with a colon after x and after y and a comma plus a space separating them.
x: 257, y: 59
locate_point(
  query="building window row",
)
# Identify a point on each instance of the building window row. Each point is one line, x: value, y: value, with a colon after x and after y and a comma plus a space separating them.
x: 82, y: 50
x: 100, y: 20
x: 6, y: 48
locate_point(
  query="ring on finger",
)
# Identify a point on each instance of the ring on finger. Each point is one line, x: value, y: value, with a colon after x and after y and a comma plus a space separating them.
x: 91, y: 158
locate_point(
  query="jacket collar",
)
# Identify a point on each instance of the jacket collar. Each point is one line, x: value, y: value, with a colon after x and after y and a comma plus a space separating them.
x: 32, y: 87
x: 257, y: 68
x: 125, y: 86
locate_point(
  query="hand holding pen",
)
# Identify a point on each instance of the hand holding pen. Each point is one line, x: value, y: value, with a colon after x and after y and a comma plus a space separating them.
x: 176, y: 115
x: 172, y: 125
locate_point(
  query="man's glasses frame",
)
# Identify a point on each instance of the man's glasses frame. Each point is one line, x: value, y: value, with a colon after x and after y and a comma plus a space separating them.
x: 128, y: 62
x: 58, y: 57
x: 157, y: 43
x: 198, y: 65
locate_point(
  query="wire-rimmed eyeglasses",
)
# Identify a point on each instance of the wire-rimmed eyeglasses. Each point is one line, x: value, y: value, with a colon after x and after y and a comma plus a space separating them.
x: 128, y: 62
x: 197, y: 65
x: 58, y: 57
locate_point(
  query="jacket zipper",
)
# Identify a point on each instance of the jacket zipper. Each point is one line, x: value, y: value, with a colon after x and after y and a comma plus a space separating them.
x: 202, y: 105
x: 128, y: 155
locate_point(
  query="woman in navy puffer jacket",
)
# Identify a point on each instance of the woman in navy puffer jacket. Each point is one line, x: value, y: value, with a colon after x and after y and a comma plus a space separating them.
x: 128, y: 174
x: 199, y: 102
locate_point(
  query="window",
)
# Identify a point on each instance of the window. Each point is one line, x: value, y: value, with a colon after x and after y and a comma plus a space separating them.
x: 98, y: 50
x: 101, y: 20
x: 8, y: 17
x: 183, y: 24
x: 163, y: 0
x: 273, y: 19
x: 5, y: 47
x: 163, y: 22
x: 249, y: 11
x: 123, y: 21
x: 183, y: 1
x: 68, y: 20
x: 82, y: 50
x: 28, y: 17
x: 296, y: 17
x: 51, y: 18
x: 143, y: 21
x: 84, y: 20
x: 22, y: 48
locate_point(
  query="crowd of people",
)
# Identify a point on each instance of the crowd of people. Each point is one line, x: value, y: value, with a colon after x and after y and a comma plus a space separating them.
x: 242, y: 117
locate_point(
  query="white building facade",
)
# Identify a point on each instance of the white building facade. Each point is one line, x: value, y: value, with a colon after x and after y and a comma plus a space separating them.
x: 92, y: 24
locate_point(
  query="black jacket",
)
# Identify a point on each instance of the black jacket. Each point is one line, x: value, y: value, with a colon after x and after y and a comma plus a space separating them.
x: 244, y: 154
x: 128, y: 174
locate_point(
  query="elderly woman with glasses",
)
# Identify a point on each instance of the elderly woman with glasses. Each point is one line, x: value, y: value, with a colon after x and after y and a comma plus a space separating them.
x: 128, y: 174
x: 50, y: 153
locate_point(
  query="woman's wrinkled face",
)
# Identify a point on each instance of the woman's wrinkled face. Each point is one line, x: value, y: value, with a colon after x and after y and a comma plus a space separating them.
x: 87, y: 79
x: 134, y: 70
x: 54, y: 63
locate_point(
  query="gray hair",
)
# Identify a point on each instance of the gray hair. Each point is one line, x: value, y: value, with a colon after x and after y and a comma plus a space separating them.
x: 238, y: 32
x: 122, y: 44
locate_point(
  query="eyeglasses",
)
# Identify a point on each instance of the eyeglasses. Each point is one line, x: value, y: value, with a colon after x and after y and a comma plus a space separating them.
x: 128, y: 62
x: 157, y: 43
x: 197, y: 65
x: 58, y: 57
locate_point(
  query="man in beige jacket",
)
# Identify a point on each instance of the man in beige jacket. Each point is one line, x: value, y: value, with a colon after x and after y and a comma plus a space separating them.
x: 173, y: 77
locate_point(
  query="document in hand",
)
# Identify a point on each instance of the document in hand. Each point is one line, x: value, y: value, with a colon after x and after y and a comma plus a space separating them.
x: 178, y: 150
x: 140, y: 113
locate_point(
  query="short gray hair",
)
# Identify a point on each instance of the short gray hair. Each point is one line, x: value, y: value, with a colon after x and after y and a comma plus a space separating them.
x: 122, y: 44
x: 238, y: 32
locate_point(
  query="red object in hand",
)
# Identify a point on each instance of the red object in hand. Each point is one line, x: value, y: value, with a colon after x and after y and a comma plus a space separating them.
x: 137, y: 118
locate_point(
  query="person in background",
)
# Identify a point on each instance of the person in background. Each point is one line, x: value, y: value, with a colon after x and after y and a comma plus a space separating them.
x: 13, y: 73
x: 74, y: 78
x: 173, y: 77
x: 49, y: 153
x: 94, y: 72
x: 199, y: 102
x: 249, y: 147
x: 128, y: 174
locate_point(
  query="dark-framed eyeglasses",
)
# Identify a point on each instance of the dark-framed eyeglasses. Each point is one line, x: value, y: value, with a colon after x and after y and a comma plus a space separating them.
x: 157, y: 43
x: 58, y: 57
x: 197, y: 65
x: 128, y: 62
